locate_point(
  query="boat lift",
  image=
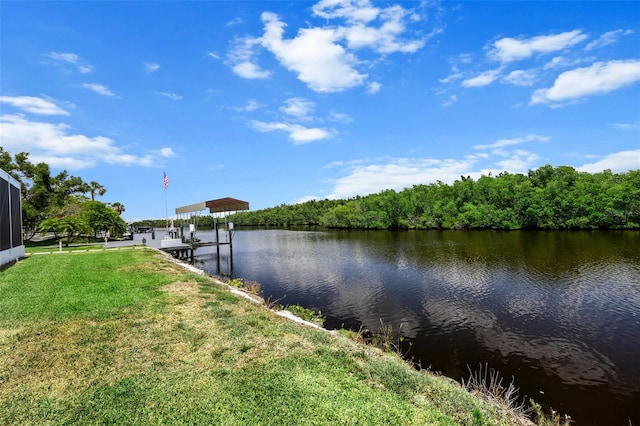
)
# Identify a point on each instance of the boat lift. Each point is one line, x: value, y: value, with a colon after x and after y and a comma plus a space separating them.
x: 185, y: 246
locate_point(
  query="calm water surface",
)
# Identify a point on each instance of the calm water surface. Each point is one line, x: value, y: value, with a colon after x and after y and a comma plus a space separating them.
x: 558, y: 311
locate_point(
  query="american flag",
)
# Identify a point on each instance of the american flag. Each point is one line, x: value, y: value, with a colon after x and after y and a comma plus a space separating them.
x: 166, y: 180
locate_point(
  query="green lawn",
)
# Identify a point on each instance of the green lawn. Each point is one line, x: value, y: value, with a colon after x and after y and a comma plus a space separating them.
x: 128, y: 337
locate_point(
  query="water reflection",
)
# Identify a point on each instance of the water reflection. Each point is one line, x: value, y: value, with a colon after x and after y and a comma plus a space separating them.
x: 560, y: 311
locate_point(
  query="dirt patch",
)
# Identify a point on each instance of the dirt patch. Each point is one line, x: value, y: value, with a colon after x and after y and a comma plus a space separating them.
x: 182, y: 288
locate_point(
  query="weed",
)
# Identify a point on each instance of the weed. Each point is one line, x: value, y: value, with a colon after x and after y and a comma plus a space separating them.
x: 385, y: 339
x: 488, y: 383
x: 477, y: 417
x: 555, y: 420
x: 274, y: 303
x: 252, y: 287
x: 306, y: 314
x: 350, y: 334
x: 237, y: 283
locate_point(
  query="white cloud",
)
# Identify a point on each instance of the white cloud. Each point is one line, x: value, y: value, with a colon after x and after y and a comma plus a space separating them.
x: 483, y: 79
x: 521, y: 78
x: 352, y: 11
x: 398, y: 174
x: 67, y: 163
x: 250, y: 71
x: 313, y: 55
x: 371, y: 176
x: 599, y: 78
x: 213, y: 55
x: 241, y: 57
x: 365, y: 176
x: 465, y: 58
x: 618, y: 162
x: 450, y: 101
x: 626, y: 125
x: 58, y: 146
x: 556, y: 62
x: 501, y: 143
x: 607, y: 38
x: 565, y: 62
x: 506, y: 159
x: 298, y: 134
x: 33, y: 105
x: 98, y: 88
x: 386, y: 38
x: 360, y: 32
x: 299, y: 108
x: 170, y: 95
x: 510, y: 49
x: 373, y: 88
x: 150, y: 67
x: 324, y: 57
x: 250, y: 106
x: 236, y: 21
x: 518, y: 162
x: 307, y: 198
x: 167, y: 152
x: 455, y: 76
x: 71, y: 58
x: 340, y: 117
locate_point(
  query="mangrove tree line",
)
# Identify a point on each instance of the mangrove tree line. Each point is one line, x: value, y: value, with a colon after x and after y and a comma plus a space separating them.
x: 546, y: 198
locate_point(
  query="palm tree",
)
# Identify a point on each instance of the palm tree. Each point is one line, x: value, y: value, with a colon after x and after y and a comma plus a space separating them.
x: 119, y: 207
x: 96, y: 188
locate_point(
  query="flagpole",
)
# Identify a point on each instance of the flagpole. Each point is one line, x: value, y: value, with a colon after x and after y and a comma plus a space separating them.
x: 166, y: 209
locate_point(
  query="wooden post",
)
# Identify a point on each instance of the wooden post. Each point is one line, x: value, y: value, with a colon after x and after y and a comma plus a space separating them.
x: 193, y: 248
x: 230, y: 233
x: 215, y: 221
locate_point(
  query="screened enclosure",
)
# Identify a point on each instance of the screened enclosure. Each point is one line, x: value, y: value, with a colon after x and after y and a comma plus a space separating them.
x: 11, y: 244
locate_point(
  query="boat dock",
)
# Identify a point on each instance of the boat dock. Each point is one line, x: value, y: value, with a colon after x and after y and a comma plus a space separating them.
x: 185, y: 246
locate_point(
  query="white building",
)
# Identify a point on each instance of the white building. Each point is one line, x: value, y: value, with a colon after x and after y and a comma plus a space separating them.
x: 11, y: 244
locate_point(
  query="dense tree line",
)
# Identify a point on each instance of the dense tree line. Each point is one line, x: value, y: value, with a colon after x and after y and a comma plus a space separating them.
x: 546, y: 198
x: 62, y: 204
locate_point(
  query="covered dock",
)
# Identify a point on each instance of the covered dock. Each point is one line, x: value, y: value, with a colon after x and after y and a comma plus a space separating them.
x: 183, y: 243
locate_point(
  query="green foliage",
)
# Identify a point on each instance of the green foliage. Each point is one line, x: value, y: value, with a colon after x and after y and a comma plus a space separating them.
x: 101, y: 218
x: 235, y: 283
x: 67, y: 226
x: 477, y: 417
x: 556, y: 419
x: 306, y: 314
x: 546, y: 198
x: 57, y: 203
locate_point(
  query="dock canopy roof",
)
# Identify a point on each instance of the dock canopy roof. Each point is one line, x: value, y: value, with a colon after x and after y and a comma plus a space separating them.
x: 226, y: 205
x: 221, y: 205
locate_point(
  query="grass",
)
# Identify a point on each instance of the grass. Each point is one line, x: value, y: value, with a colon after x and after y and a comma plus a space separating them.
x: 55, y: 249
x: 128, y: 337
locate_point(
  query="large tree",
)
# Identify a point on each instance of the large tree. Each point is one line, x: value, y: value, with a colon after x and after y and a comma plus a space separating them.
x: 119, y: 207
x: 94, y: 188
x: 101, y: 218
x: 55, y: 197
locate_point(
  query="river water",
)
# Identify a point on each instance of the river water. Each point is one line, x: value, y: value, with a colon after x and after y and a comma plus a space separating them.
x: 559, y: 312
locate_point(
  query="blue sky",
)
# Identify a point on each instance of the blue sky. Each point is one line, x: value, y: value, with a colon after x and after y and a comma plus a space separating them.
x: 278, y: 102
